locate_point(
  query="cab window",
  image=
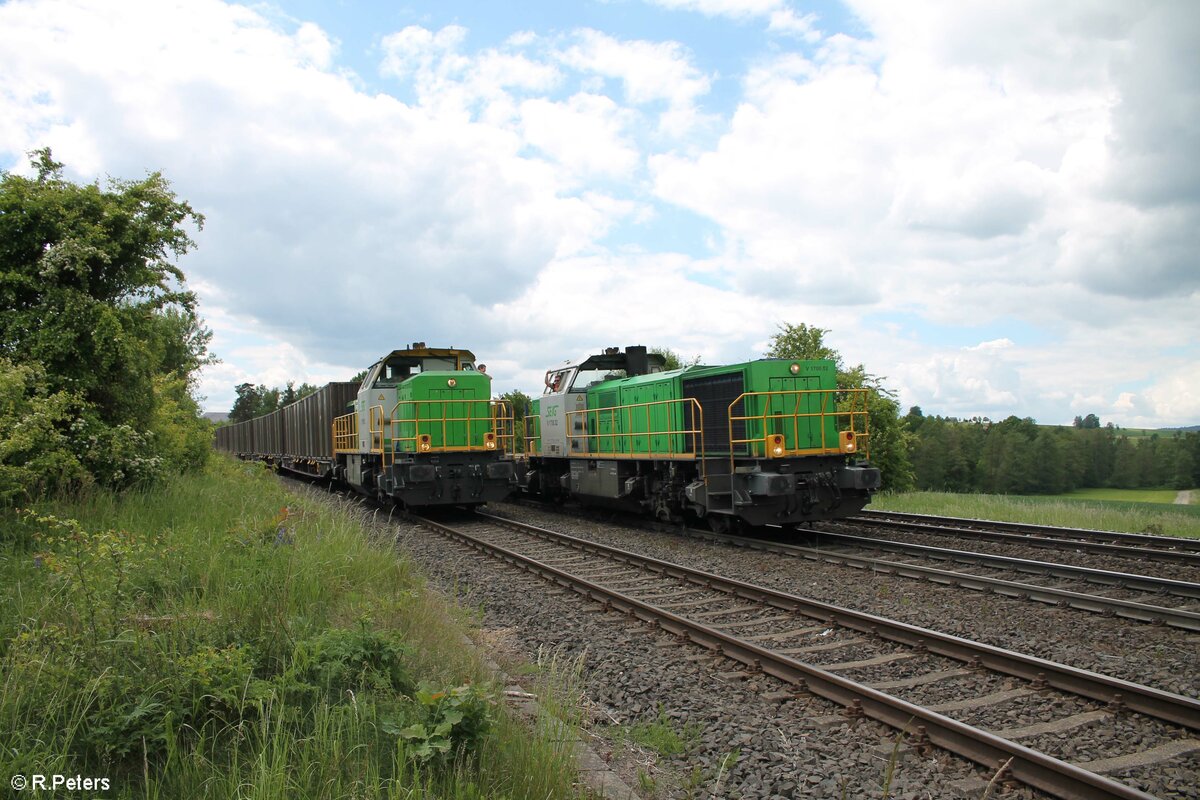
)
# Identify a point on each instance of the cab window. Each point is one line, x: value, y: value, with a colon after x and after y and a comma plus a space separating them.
x: 438, y: 365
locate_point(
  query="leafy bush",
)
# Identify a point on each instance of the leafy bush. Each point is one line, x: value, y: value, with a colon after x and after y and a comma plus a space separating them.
x: 36, y: 430
x: 100, y: 338
x: 340, y: 661
x: 451, y: 720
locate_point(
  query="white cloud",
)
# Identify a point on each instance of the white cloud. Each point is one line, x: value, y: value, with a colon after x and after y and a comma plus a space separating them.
x: 1031, y: 188
x: 788, y: 22
x: 782, y: 19
x: 585, y: 134
x: 323, y: 203
x: 982, y: 380
x: 1174, y: 397
x: 648, y: 71
x: 949, y: 167
x: 724, y: 8
x: 415, y: 49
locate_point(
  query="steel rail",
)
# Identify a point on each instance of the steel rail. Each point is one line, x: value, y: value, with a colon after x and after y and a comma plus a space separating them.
x: 1144, y: 699
x: 1135, y: 539
x: 1145, y: 583
x: 1113, y: 578
x: 1029, y: 766
x: 1125, y: 551
x: 1128, y: 609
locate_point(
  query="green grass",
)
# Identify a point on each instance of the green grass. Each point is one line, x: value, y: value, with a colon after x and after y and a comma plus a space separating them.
x: 664, y: 737
x: 1163, y: 496
x: 221, y: 637
x: 1061, y: 510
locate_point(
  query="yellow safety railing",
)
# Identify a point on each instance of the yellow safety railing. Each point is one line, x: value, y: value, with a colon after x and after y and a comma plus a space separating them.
x: 771, y: 430
x: 375, y: 423
x: 533, y: 441
x: 504, y: 425
x: 676, y: 439
x: 345, y: 433
x: 426, y: 419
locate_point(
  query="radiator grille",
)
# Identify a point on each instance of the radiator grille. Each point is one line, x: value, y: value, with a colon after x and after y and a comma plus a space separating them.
x: 715, y: 393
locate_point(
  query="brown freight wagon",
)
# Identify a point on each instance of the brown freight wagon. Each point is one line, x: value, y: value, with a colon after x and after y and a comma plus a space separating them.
x: 297, y: 437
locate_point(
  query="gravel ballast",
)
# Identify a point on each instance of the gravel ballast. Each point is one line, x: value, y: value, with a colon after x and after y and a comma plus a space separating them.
x: 742, y: 737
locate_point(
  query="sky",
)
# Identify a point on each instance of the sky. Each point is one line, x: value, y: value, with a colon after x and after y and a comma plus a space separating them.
x: 993, y: 206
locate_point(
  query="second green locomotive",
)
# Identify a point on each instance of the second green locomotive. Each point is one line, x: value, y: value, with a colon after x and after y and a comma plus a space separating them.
x: 771, y: 441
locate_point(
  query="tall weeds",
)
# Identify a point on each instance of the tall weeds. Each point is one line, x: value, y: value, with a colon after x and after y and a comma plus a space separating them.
x: 220, y: 637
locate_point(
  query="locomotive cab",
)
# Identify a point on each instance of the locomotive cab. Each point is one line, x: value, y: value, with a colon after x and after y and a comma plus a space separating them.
x: 566, y: 388
x: 384, y: 378
x: 425, y: 431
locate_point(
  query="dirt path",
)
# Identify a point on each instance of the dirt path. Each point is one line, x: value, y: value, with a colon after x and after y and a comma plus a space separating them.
x: 1183, y: 498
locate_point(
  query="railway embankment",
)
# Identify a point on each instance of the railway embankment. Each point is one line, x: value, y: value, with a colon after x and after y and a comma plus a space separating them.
x: 219, y: 633
x: 718, y: 727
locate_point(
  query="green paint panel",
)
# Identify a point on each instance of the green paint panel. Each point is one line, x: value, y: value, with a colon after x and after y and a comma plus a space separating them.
x: 786, y: 414
x: 643, y: 425
x: 424, y: 410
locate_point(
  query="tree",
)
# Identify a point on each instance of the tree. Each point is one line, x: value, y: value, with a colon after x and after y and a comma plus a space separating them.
x: 249, y: 400
x: 91, y: 302
x: 802, y: 342
x: 673, y: 360
x: 521, y: 404
x: 1090, y: 421
x: 889, y: 440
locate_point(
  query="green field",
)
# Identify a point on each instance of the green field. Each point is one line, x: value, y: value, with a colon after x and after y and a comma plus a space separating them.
x: 1111, y: 510
x: 1162, y: 496
x: 223, y: 637
x: 1146, y: 433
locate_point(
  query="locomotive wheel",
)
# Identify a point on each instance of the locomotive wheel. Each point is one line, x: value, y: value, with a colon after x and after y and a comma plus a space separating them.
x: 722, y: 523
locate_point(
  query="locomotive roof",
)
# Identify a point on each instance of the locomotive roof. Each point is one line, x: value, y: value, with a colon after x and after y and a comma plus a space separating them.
x: 610, y: 360
x: 431, y: 352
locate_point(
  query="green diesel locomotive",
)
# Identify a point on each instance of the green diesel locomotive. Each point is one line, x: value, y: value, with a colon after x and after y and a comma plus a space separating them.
x: 420, y: 429
x: 771, y: 441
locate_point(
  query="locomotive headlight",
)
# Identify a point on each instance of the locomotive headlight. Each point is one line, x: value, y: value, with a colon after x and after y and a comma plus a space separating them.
x: 794, y: 369
x: 423, y: 443
x: 775, y: 443
x: 848, y: 442
x: 452, y: 383
x: 489, y: 441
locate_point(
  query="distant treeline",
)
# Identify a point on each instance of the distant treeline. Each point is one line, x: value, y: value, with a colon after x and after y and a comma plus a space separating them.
x: 1018, y: 456
x: 254, y: 401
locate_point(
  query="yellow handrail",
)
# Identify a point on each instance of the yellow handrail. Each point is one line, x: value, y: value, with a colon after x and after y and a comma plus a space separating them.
x: 345, y: 433
x: 375, y: 423
x: 533, y: 442
x: 497, y: 436
x: 616, y: 440
x: 851, y: 423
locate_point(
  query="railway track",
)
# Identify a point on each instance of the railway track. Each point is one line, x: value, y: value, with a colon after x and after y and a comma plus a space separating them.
x: 1013, y: 577
x: 1166, y: 549
x: 805, y: 644
x: 1146, y: 598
